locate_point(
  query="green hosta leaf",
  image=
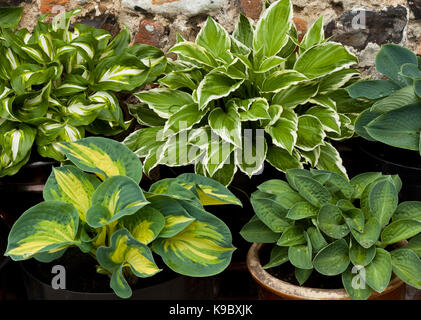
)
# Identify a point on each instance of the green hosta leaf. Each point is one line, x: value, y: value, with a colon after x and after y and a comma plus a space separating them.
x: 293, y: 173
x: 310, y: 132
x: 383, y: 201
x: 415, y: 245
x: 334, y: 182
x: 302, y: 210
x: 256, y: 231
x: 329, y: 118
x: 278, y: 256
x: 203, y: 249
x: 318, y: 242
x: 355, y: 285
x: 372, y: 89
x: 283, y: 194
x: 280, y: 80
x: 123, y: 251
x: 359, y: 255
x: 244, y: 31
x: 354, y: 218
x: 292, y: 236
x: 215, y: 85
x: 282, y: 160
x: 315, y: 35
x: 302, y: 275
x: 116, y: 197
x: 361, y: 181
x: 215, y: 39
x: 390, y: 60
x: 379, y: 271
x: 411, y: 71
x: 10, y: 17
x: 194, y: 52
x: 400, y: 230
x: 48, y: 226
x: 104, y: 157
x: 272, y: 29
x: 145, y: 225
x: 369, y: 237
x: 165, y: 102
x: 269, y: 211
x: 300, y: 256
x: 333, y: 259
x: 72, y: 185
x: 408, y: 210
x: 330, y: 160
x: 407, y: 266
x: 330, y: 221
x: 324, y: 59
x: 284, y: 131
x: 226, y: 124
x: 396, y: 100
x: 312, y: 191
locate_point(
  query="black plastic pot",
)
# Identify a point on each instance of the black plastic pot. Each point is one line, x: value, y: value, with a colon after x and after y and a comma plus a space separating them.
x: 376, y: 156
x: 4, y: 232
x: 166, y: 285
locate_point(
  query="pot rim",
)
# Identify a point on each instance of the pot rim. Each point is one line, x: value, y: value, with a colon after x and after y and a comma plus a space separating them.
x: 277, y: 286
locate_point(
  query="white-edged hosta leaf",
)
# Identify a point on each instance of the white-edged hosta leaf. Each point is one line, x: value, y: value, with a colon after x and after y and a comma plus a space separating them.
x: 282, y: 160
x: 104, y: 157
x: 195, y: 53
x: 329, y: 118
x: 227, y: 124
x: 284, y: 131
x: 281, y: 80
x: 330, y: 159
x: 183, y: 119
x: 310, y: 133
x: 250, y: 159
x: 295, y: 95
x: 314, y: 35
x: 254, y: 109
x: 49, y: 225
x: 72, y: 185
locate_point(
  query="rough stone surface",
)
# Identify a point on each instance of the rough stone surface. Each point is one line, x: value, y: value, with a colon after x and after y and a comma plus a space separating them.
x: 150, y: 32
x: 52, y: 6
x: 415, y: 6
x: 251, y: 8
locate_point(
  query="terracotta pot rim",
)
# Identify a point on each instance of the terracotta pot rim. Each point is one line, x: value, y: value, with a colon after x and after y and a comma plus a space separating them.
x: 286, y: 289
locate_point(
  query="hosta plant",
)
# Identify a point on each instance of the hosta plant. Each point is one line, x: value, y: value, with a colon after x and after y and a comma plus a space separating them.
x: 394, y: 115
x: 319, y: 221
x: 96, y: 204
x: 57, y: 83
x: 233, y: 101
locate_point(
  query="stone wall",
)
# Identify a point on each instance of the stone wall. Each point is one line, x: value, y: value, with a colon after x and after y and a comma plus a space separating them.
x: 363, y: 25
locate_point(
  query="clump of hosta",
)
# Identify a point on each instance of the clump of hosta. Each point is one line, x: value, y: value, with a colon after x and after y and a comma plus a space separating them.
x: 394, y: 117
x: 57, y: 84
x: 320, y: 222
x: 96, y: 204
x: 233, y: 101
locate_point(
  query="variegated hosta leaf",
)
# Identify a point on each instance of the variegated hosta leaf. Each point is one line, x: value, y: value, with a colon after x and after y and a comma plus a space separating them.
x: 202, y: 249
x: 210, y: 192
x: 72, y: 185
x: 111, y: 110
x: 227, y: 124
x: 183, y: 119
x: 250, y: 159
x: 116, y: 197
x: 218, y: 153
x: 104, y: 157
x: 145, y: 225
x: 125, y: 251
x: 48, y: 226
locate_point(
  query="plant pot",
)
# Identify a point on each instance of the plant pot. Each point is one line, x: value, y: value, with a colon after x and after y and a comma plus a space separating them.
x: 4, y: 232
x: 24, y: 189
x: 271, y: 288
x: 166, y: 285
x: 376, y: 156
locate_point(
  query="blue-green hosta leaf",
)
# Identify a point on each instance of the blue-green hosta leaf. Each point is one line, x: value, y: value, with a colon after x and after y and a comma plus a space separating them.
x: 398, y: 128
x: 312, y: 191
x: 415, y: 245
x: 310, y: 133
x: 323, y: 59
x: 361, y: 181
x: 72, y: 185
x: 284, y: 131
x: 284, y: 194
x: 256, y: 231
x: 370, y: 235
x: 372, y: 89
x: 272, y: 29
x: 318, y: 242
x: 165, y: 102
x: 116, y: 197
x: 301, y: 255
x: 302, y: 210
x: 355, y: 285
x: 215, y: 39
x: 315, y: 35
x: 330, y: 221
x: 396, y: 100
x: 216, y: 85
x: 202, y: 249
x: 292, y: 236
x: 330, y: 160
x: 195, y: 53
x: 334, y: 182
x: 271, y: 213
x: 10, y: 17
x: 359, y: 255
x: 227, y: 124
x: 354, y: 218
x: 383, y: 201
x: 282, y: 160
x: 328, y: 117
x: 48, y: 226
x: 333, y: 259
x: 400, y: 230
x: 407, y: 266
x: 390, y: 60
x: 408, y: 210
x: 125, y: 251
x: 145, y: 225
x: 411, y: 71
x: 278, y: 256
x: 379, y: 271
x: 104, y: 157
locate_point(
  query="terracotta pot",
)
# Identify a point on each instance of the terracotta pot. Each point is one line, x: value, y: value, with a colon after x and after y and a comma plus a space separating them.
x: 271, y: 288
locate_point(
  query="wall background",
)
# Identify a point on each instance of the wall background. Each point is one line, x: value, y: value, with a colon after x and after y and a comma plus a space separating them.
x: 157, y: 22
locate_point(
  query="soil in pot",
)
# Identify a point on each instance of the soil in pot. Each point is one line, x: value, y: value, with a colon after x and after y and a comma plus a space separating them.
x: 83, y: 282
